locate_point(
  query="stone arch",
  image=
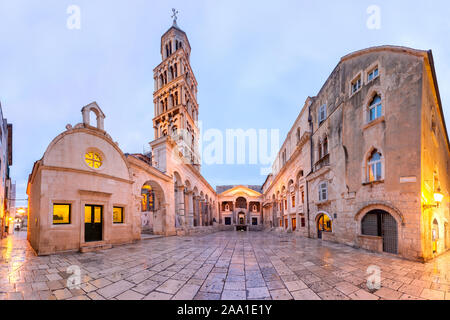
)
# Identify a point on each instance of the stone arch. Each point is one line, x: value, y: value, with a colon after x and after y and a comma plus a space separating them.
x: 375, y: 90
x: 321, y: 212
x: 388, y: 225
x: 369, y: 98
x: 156, y: 212
x: 241, y: 203
x: 367, y: 207
x: 318, y: 219
x: 86, y: 112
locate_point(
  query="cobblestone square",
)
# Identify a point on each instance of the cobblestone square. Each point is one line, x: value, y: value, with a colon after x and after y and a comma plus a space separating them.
x: 223, y: 265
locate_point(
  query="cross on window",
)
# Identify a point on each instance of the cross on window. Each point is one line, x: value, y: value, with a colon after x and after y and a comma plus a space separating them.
x: 93, y: 160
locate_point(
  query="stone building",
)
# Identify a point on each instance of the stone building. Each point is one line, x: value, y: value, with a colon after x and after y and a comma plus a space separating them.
x: 80, y: 192
x: 240, y: 207
x: 379, y: 157
x: 6, y: 185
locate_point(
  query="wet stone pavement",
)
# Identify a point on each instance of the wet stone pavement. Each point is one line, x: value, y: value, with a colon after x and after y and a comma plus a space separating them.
x: 224, y: 265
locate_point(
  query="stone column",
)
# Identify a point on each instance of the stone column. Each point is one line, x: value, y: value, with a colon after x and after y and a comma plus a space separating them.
x: 180, y: 205
x: 289, y: 210
x: 234, y: 213
x: 191, y: 208
x: 220, y: 212
x: 297, y: 206
x: 261, y: 212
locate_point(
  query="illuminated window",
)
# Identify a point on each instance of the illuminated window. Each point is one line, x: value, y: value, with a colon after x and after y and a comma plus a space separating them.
x: 117, y: 215
x: 293, y: 201
x: 61, y: 214
x: 285, y: 204
x: 93, y: 160
x: 374, y: 166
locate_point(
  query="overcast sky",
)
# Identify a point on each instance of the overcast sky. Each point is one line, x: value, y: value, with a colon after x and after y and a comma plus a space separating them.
x: 255, y: 62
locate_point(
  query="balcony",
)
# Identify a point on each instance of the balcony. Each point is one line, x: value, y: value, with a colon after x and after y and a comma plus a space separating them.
x: 323, y: 162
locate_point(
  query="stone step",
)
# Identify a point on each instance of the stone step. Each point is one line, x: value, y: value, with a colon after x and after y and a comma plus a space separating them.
x: 94, y: 246
x: 146, y: 236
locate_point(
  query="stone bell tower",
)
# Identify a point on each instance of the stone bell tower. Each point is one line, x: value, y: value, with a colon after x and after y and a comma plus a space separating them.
x: 175, y: 96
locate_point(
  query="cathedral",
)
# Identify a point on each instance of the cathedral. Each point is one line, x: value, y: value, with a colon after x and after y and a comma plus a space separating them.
x: 365, y: 163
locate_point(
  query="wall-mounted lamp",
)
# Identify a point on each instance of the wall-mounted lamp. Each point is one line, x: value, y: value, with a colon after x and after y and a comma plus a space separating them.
x: 438, y: 197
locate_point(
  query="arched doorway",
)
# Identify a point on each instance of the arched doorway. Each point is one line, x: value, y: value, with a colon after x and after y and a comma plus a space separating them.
x: 324, y: 224
x: 435, y: 235
x: 381, y: 224
x: 153, y: 210
x: 241, y: 218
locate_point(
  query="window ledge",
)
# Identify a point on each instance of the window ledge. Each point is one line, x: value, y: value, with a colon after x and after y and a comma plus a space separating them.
x: 372, y: 182
x: 374, y: 122
x: 322, y: 203
x: 373, y: 79
x: 352, y: 94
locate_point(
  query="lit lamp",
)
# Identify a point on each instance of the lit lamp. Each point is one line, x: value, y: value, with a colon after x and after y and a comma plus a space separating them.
x: 438, y: 197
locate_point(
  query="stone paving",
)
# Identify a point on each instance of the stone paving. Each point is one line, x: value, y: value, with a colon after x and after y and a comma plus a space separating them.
x: 224, y: 265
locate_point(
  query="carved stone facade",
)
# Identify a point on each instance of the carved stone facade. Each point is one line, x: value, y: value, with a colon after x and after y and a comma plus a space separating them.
x: 378, y: 152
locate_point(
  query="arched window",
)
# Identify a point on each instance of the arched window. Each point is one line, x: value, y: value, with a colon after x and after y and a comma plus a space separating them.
x: 375, y: 108
x: 374, y: 166
x: 298, y: 135
x: 241, y: 203
x: 254, y: 208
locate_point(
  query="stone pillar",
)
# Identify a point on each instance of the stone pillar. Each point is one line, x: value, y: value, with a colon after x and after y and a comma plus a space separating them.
x: 180, y: 205
x: 261, y: 212
x: 289, y: 210
x: 191, y: 208
x: 220, y: 212
x: 234, y: 213
x: 297, y: 206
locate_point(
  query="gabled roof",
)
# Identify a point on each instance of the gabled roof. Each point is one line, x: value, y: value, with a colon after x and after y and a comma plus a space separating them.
x: 239, y: 189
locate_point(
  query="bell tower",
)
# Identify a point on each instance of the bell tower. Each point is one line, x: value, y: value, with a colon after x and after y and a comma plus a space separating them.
x: 175, y: 95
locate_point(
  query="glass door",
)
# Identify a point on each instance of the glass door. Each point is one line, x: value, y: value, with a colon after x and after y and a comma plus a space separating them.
x: 93, y: 223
